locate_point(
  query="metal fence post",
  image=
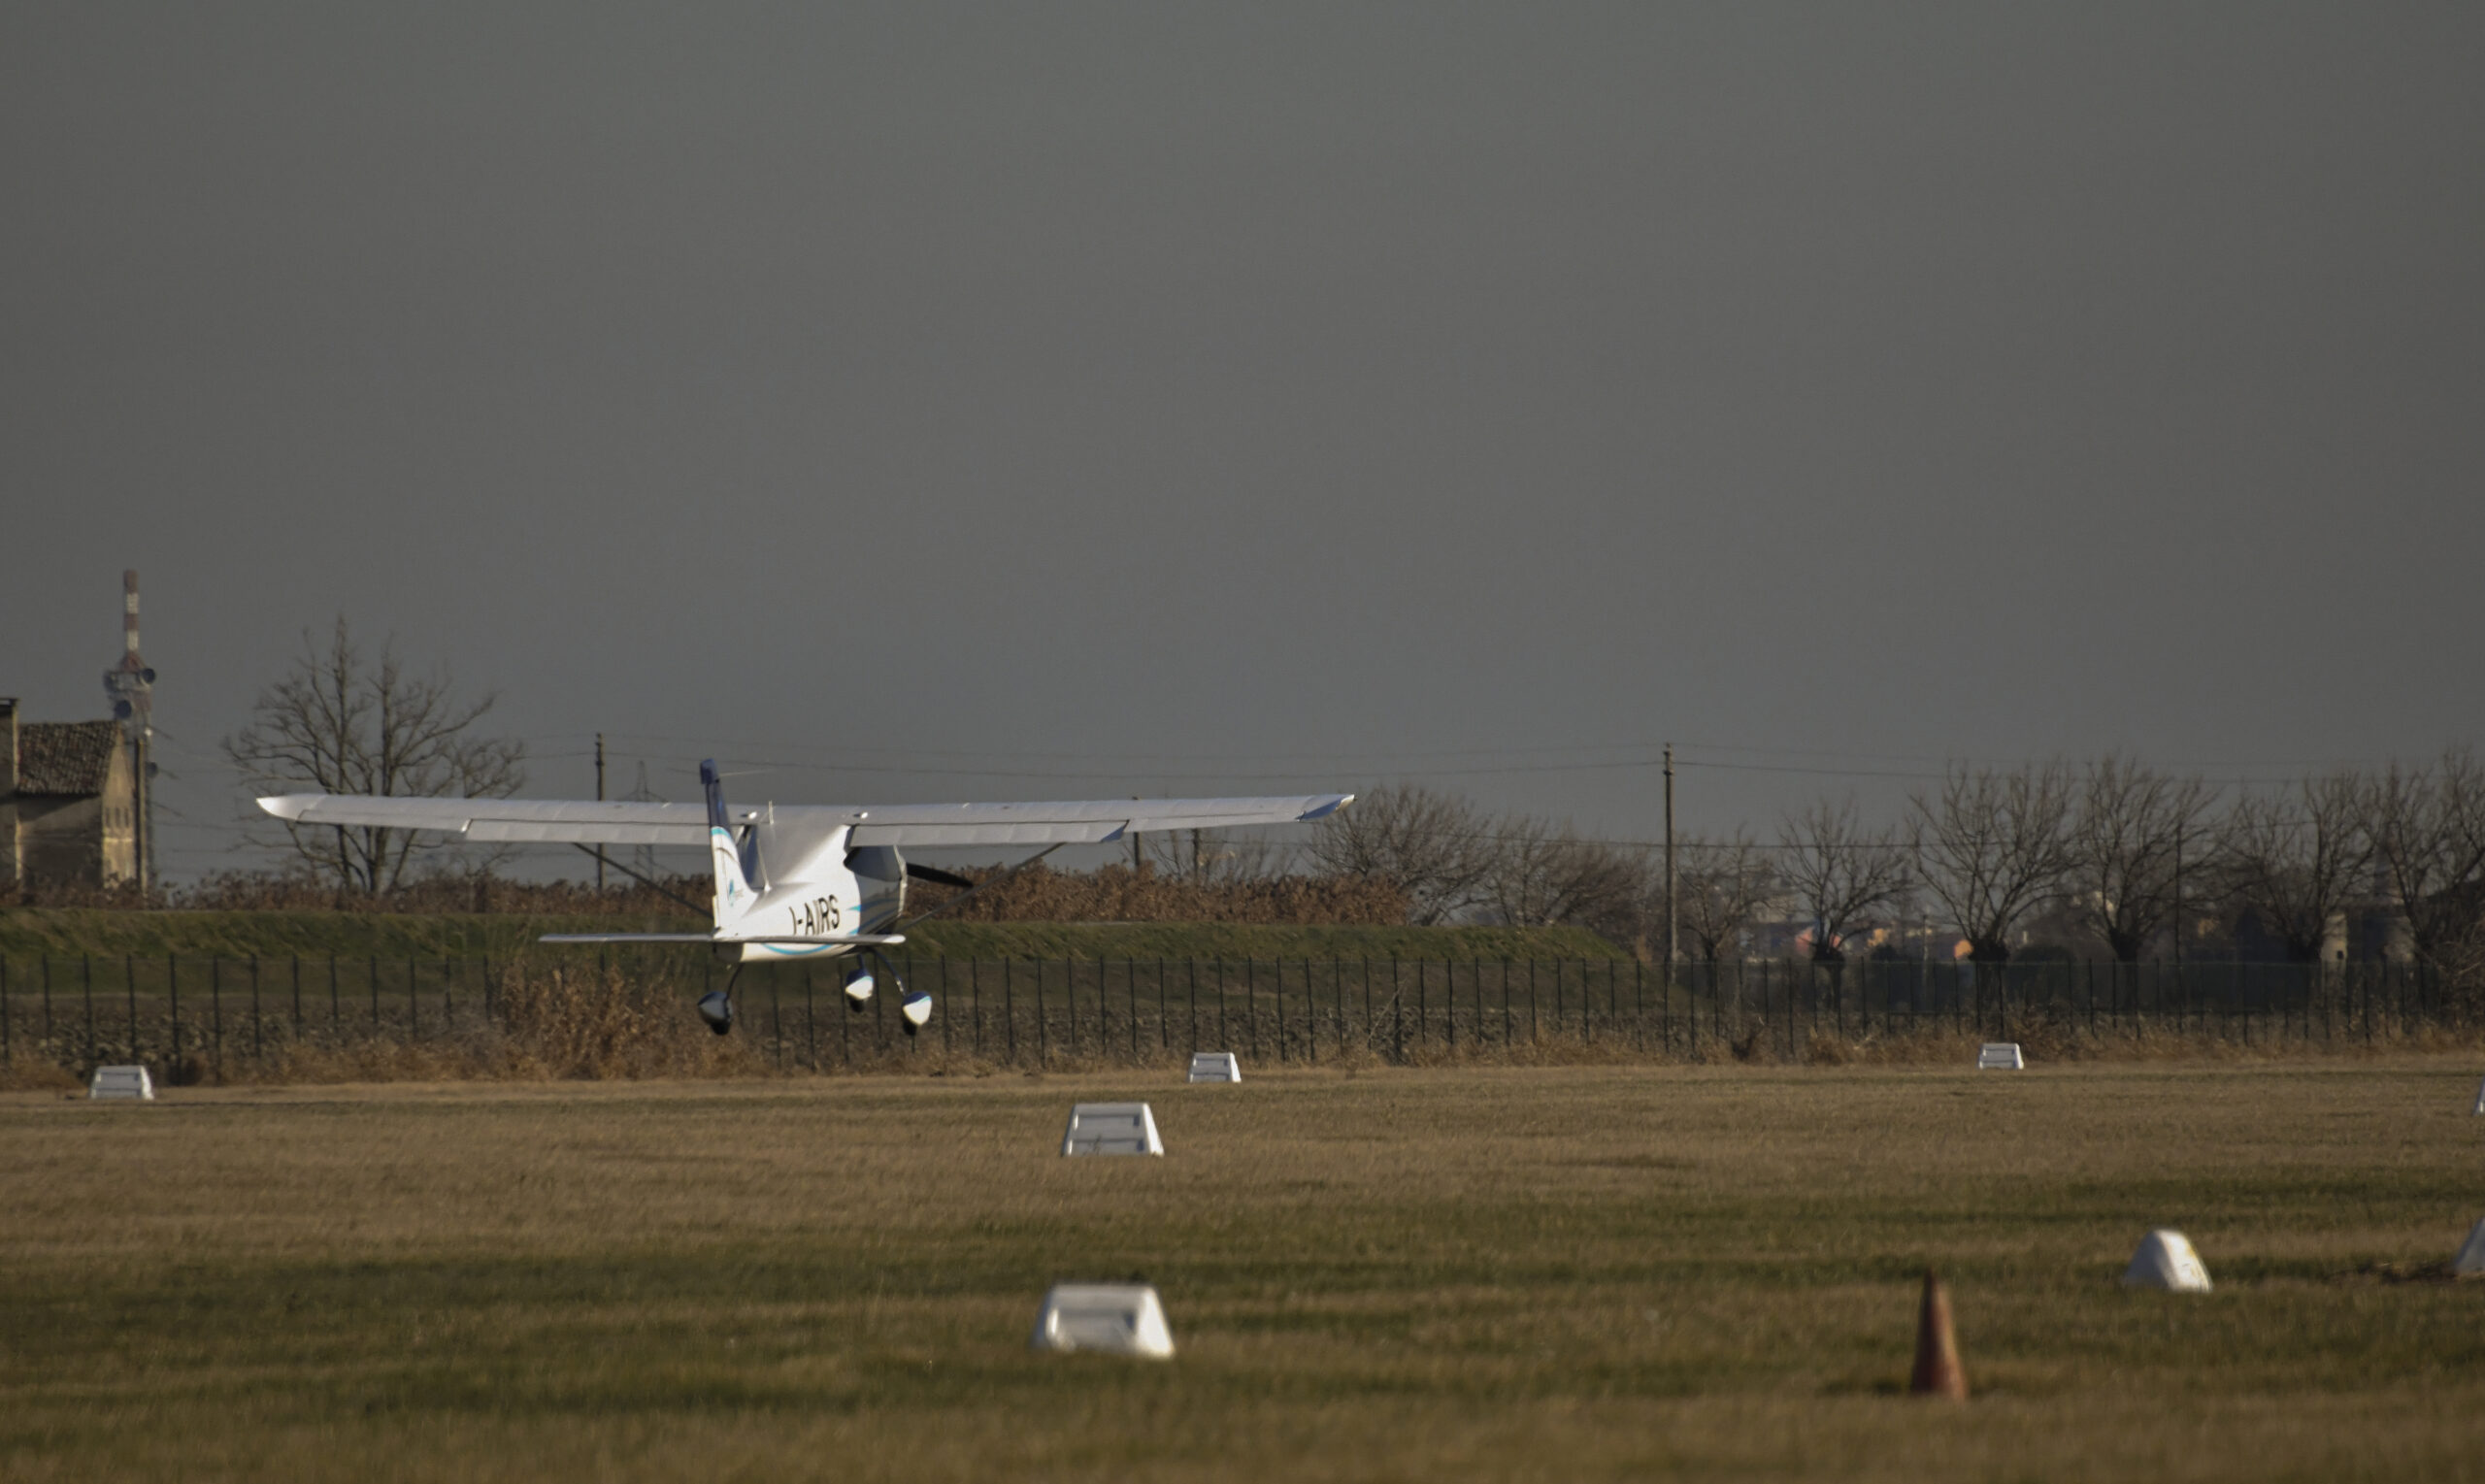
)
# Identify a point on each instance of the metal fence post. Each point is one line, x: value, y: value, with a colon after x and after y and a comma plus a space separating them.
x: 1369, y: 1030
x: 1044, y: 1032
x: 1423, y: 1003
x: 1279, y: 965
x: 1397, y: 1011
x: 216, y: 1013
x: 1251, y: 1005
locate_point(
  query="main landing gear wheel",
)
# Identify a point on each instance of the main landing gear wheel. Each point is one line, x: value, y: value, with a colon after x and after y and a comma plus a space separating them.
x: 717, y: 1005
x: 913, y: 1005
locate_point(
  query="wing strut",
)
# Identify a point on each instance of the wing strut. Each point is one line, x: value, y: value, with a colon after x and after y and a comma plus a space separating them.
x: 702, y: 907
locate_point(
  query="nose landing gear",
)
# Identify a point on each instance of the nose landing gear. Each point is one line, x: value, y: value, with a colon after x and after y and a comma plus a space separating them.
x: 717, y: 1005
x: 913, y: 1005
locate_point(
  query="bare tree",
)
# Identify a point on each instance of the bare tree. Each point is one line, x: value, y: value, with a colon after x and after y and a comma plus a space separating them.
x: 1546, y: 875
x: 2426, y: 828
x: 1839, y: 872
x: 2296, y: 858
x: 1208, y: 858
x: 2131, y: 832
x: 1993, y: 848
x: 1434, y: 848
x: 335, y: 725
x: 1719, y: 887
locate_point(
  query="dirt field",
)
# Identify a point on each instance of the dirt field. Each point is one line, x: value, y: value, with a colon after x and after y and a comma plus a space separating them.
x: 1515, y: 1273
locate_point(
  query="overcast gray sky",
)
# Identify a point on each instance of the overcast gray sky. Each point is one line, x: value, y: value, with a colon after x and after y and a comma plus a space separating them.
x: 1066, y: 401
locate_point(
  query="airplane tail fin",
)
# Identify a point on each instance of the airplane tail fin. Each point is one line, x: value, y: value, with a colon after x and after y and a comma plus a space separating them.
x: 734, y: 862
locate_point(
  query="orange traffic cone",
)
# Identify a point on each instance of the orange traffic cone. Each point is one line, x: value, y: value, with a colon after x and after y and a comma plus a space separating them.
x: 1938, y: 1371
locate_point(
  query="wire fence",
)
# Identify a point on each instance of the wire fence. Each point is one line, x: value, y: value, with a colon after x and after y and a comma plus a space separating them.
x: 199, y: 1018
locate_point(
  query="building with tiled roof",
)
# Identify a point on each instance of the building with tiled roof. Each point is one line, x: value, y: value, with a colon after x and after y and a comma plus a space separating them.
x: 68, y: 803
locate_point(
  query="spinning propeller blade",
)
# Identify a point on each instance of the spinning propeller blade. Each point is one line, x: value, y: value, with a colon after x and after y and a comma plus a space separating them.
x: 937, y: 877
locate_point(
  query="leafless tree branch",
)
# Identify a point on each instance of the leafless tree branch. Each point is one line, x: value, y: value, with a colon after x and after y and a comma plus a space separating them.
x: 1993, y: 848
x: 1841, y: 873
x: 1719, y: 888
x: 335, y: 725
x: 2296, y: 858
x: 2133, y: 828
x: 2426, y: 828
x: 1434, y: 848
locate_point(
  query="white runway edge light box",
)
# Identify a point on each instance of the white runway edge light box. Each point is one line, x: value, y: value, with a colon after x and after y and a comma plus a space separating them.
x: 2166, y: 1260
x: 122, y: 1082
x: 1104, y: 1319
x: 1111, y: 1128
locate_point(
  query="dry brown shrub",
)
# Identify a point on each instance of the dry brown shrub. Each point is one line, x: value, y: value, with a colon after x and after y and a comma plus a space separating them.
x: 1825, y: 1049
x: 577, y: 1021
x: 29, y: 1074
x: 1120, y: 894
x: 555, y: 1023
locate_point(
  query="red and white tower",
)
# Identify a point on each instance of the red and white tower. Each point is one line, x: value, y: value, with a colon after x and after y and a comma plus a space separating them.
x: 131, y: 685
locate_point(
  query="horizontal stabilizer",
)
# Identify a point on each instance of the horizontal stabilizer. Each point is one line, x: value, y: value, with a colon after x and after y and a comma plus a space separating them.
x: 628, y: 937
x: 859, y: 940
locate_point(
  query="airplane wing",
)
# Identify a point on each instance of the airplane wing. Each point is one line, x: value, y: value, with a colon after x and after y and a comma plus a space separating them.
x: 587, y: 821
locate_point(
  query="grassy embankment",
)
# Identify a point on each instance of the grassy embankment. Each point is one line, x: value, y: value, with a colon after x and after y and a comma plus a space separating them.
x: 68, y: 932
x: 1586, y: 1272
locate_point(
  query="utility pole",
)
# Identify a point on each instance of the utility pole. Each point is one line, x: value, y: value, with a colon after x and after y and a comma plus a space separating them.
x: 1672, y: 945
x: 1133, y: 844
x: 2178, y: 897
x: 599, y: 798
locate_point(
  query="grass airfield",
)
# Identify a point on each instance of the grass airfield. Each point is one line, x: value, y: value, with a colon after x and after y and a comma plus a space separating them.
x: 1505, y: 1274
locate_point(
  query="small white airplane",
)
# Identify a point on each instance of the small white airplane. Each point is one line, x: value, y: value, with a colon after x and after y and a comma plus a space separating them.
x: 797, y: 881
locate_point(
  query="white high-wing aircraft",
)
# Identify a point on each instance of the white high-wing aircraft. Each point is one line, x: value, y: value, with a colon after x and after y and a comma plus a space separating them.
x: 797, y: 881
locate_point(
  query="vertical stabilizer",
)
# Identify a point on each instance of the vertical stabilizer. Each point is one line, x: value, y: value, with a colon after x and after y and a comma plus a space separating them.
x: 733, y: 892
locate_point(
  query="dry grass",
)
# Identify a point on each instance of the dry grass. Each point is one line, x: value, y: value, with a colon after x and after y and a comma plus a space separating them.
x: 1548, y: 1272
